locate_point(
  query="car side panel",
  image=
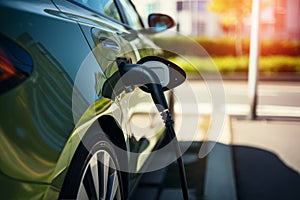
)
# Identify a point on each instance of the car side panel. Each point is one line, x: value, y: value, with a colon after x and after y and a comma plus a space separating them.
x: 37, y: 116
x: 140, y: 122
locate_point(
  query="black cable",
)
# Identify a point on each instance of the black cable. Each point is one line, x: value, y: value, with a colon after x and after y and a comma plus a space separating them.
x: 172, y: 136
x: 141, y: 75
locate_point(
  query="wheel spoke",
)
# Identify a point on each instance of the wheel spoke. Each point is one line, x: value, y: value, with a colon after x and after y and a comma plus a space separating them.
x: 100, y: 179
x: 82, y: 192
x: 104, y: 173
x: 95, y: 175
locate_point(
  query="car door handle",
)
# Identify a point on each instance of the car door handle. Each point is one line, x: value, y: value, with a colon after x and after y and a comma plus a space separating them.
x: 109, y: 43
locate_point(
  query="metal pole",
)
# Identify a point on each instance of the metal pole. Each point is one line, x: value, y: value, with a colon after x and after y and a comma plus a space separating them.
x: 254, y: 58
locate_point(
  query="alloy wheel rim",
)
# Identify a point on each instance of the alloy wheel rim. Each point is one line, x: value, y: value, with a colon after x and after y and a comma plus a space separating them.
x: 100, y: 179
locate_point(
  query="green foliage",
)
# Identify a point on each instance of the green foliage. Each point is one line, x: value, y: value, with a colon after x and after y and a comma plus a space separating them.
x: 226, y: 46
x: 277, y: 56
x: 280, y: 47
x: 269, y: 65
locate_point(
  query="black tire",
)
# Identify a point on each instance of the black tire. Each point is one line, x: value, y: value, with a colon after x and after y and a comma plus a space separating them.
x: 88, y: 177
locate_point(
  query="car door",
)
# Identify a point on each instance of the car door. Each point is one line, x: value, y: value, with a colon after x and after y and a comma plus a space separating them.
x: 145, y: 124
x: 111, y: 29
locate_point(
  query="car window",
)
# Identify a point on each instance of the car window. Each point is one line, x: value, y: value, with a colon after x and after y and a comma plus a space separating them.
x: 132, y: 16
x: 105, y: 7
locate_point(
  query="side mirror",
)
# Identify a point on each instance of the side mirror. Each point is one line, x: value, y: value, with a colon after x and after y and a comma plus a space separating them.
x: 160, y: 22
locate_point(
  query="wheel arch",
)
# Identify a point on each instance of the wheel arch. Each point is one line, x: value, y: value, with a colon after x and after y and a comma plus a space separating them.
x: 105, y: 123
x: 111, y: 128
x: 106, y: 126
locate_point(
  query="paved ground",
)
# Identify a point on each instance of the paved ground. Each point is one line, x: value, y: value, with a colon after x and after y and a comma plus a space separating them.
x: 202, y: 173
x: 252, y: 160
x: 165, y: 183
x: 266, y: 159
x: 256, y: 159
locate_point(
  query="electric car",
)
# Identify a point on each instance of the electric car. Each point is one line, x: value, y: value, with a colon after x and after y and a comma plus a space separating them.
x: 68, y: 129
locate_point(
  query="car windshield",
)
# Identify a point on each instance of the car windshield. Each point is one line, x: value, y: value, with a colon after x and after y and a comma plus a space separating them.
x: 132, y: 16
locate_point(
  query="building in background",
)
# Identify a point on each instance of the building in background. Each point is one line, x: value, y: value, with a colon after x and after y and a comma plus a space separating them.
x: 279, y: 19
x: 192, y: 17
x: 201, y: 21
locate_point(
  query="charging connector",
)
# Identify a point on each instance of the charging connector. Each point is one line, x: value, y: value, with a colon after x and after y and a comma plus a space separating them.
x: 138, y: 74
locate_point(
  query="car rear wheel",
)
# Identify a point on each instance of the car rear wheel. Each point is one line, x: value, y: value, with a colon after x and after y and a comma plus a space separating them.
x: 93, y: 173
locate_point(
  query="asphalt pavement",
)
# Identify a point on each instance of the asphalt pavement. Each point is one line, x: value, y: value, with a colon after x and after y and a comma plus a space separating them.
x: 250, y: 159
x: 266, y: 158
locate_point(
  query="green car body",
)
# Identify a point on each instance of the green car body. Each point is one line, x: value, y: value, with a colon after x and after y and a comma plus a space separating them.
x: 44, y: 117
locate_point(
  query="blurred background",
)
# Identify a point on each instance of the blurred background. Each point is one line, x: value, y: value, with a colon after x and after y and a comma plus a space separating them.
x: 223, y: 29
x: 256, y: 156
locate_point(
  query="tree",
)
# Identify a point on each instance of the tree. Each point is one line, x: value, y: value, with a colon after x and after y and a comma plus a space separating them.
x: 232, y: 13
